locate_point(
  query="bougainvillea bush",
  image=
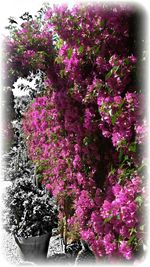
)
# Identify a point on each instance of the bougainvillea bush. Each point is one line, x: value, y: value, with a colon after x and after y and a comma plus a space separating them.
x: 86, y: 134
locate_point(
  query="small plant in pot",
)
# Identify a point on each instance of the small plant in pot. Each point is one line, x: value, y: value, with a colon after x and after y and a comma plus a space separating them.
x: 31, y: 214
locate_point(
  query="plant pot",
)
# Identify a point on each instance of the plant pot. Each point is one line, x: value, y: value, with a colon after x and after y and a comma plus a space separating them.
x: 34, y: 248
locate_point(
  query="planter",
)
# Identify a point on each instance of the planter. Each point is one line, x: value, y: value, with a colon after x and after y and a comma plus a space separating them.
x: 34, y: 248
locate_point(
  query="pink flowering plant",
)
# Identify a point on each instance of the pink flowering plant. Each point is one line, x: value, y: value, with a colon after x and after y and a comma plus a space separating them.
x: 86, y: 134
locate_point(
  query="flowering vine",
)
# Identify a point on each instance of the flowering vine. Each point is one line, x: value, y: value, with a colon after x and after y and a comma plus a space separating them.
x: 85, y: 134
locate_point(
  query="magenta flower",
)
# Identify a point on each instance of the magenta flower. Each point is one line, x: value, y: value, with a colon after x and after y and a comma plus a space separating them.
x: 109, y: 243
x: 125, y: 250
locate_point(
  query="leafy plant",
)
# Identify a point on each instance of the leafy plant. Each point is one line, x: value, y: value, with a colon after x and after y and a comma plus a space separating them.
x: 29, y: 211
x: 17, y: 162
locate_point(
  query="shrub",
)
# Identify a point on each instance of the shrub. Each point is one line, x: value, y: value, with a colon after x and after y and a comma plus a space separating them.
x: 29, y: 211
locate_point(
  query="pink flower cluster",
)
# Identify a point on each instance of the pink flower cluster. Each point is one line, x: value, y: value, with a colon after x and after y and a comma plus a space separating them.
x: 118, y: 115
x: 110, y: 222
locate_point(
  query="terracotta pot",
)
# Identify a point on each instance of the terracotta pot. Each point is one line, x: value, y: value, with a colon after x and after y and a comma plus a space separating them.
x: 34, y: 248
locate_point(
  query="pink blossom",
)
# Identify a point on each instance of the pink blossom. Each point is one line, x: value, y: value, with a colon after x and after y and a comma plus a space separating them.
x: 125, y: 250
x: 48, y: 187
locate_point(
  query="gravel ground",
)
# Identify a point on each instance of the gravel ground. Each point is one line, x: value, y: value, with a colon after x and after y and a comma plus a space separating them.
x: 10, y: 249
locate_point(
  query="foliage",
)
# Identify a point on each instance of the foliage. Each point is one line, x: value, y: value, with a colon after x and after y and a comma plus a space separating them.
x: 16, y: 159
x: 86, y: 133
x: 17, y: 163
x: 29, y: 211
x: 7, y: 104
x: 31, y: 86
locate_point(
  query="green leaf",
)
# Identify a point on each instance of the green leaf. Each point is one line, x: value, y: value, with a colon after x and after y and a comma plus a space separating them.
x: 96, y: 49
x: 120, y: 154
x: 112, y: 171
x: 39, y: 177
x: 110, y: 73
x: 59, y: 43
x: 102, y: 23
x: 118, y: 217
x: 54, y: 136
x: 87, y: 140
x: 132, y: 147
x: 139, y: 200
x: 113, y: 119
x: 121, y: 104
x: 58, y: 59
x: 126, y: 61
x: 126, y: 158
x: 68, y: 161
x: 132, y: 231
x: 108, y: 219
x: 70, y: 91
x: 62, y: 73
x: 122, y: 143
x: 78, y: 41
x: 20, y: 49
x: 81, y: 49
x: 132, y: 238
x: 69, y: 54
x: 39, y: 169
